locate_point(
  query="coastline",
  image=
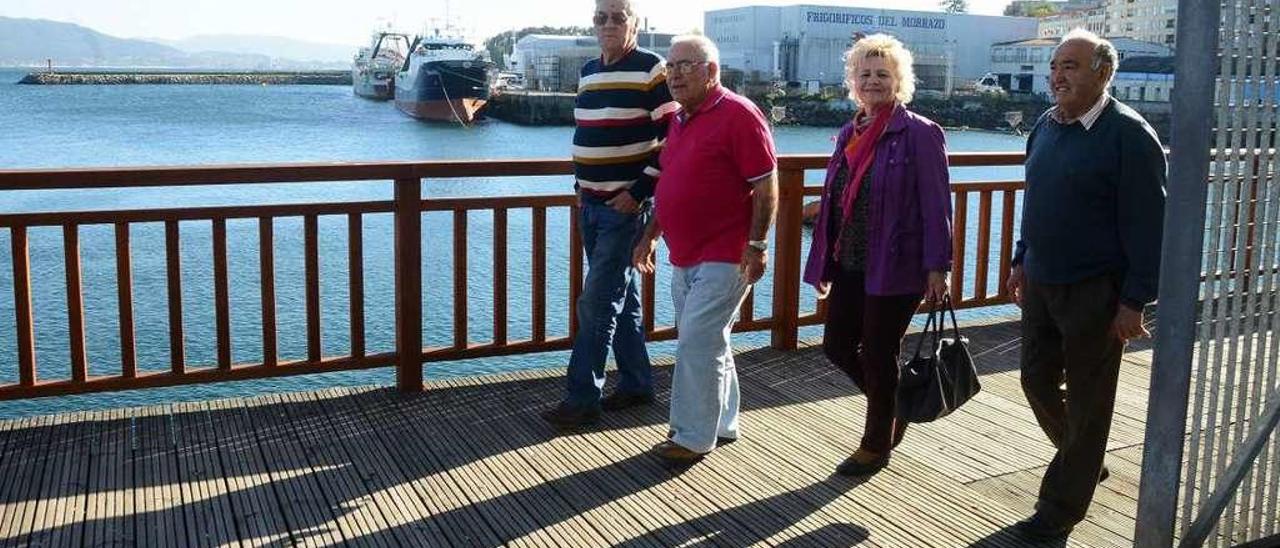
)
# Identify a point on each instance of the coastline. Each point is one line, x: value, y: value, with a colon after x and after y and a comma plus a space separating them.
x: 188, y: 77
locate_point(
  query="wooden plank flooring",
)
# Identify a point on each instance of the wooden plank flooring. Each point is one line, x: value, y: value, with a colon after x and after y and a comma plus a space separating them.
x: 470, y: 463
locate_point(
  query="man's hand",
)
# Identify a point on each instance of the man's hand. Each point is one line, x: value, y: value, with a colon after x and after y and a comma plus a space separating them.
x: 642, y: 256
x: 939, y: 287
x: 1128, y: 324
x: 623, y: 203
x: 752, y: 265
x: 1015, y: 284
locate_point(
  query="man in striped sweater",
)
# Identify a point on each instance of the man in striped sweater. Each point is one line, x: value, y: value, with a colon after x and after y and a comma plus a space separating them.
x: 622, y: 110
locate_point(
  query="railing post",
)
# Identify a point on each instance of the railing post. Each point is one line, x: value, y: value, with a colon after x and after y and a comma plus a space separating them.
x: 1182, y: 253
x: 408, y: 265
x: 786, y: 262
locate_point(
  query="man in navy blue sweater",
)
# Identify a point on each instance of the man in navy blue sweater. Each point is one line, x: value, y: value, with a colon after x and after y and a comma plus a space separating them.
x: 1087, y: 263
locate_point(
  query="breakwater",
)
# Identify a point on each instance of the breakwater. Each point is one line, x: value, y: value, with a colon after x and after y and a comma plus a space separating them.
x: 273, y: 78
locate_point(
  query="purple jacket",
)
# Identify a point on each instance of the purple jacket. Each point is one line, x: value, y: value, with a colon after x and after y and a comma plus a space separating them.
x: 909, y: 232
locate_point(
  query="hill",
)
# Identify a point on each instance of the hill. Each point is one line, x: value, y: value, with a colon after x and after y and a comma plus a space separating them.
x: 272, y: 46
x: 30, y: 42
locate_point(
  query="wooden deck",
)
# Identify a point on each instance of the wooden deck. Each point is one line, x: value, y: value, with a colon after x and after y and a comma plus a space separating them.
x: 469, y: 463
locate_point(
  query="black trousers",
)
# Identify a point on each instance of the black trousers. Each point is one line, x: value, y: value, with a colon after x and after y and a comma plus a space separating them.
x: 1070, y: 366
x: 863, y: 336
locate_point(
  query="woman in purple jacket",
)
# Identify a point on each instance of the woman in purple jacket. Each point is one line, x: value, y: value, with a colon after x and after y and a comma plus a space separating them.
x: 883, y: 238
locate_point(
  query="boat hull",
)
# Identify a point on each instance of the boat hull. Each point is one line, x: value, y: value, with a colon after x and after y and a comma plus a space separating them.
x: 451, y: 90
x: 461, y: 110
x: 383, y: 90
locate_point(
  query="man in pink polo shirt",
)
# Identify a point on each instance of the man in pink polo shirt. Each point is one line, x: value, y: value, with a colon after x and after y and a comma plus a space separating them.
x: 714, y: 207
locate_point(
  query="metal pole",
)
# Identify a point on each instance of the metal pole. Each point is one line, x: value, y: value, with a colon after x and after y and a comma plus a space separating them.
x: 1195, y: 74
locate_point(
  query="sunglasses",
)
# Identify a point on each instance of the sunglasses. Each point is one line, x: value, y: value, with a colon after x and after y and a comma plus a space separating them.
x: 683, y: 67
x: 618, y: 18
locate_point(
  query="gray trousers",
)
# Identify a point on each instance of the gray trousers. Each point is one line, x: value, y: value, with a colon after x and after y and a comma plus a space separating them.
x: 704, y: 385
x: 1070, y: 366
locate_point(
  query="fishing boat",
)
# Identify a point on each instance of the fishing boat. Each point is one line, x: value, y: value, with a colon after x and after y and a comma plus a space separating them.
x: 374, y: 68
x: 445, y: 78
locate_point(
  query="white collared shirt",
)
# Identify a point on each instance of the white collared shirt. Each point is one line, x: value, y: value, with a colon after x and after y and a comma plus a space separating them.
x: 1088, y: 118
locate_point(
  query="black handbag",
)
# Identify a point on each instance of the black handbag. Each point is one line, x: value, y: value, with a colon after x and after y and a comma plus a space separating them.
x: 931, y: 386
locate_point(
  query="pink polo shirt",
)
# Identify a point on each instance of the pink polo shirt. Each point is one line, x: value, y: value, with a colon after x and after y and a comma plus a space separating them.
x: 709, y: 162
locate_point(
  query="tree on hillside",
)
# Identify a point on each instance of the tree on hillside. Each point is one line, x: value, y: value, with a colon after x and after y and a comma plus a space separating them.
x: 1041, y: 10
x: 1037, y: 9
x: 500, y: 45
x: 954, y: 6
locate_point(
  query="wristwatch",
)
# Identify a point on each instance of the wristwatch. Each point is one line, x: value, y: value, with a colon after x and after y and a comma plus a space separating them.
x: 759, y: 245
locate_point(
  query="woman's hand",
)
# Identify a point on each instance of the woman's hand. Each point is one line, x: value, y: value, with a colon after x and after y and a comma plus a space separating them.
x: 938, y: 288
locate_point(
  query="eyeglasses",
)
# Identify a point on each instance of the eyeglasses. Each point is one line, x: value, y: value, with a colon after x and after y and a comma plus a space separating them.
x: 683, y: 67
x: 618, y: 18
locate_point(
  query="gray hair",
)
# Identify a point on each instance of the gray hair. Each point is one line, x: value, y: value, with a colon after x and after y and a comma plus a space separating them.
x: 704, y: 46
x: 630, y: 4
x: 710, y: 53
x: 1104, y: 53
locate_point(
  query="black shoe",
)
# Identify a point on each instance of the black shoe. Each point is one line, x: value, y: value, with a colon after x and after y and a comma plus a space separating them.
x: 1104, y: 474
x: 565, y: 415
x: 1039, y: 527
x: 862, y: 463
x: 618, y: 401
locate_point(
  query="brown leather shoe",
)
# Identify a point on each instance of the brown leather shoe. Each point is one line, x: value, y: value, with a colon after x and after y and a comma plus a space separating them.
x: 862, y: 463
x: 674, y: 453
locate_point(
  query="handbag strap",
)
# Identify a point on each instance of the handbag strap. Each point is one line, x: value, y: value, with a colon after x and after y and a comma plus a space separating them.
x: 947, y: 307
x: 932, y: 326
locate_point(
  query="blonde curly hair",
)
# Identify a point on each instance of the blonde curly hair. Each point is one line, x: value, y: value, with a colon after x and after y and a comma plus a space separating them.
x: 893, y: 52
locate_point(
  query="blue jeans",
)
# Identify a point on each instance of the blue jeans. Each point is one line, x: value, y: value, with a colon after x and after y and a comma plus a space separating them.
x: 609, y: 308
x: 704, y: 385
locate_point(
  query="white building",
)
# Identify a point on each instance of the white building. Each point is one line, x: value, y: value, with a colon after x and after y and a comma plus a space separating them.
x: 1145, y: 79
x: 1022, y: 66
x: 1146, y: 20
x: 552, y: 62
x: 806, y: 43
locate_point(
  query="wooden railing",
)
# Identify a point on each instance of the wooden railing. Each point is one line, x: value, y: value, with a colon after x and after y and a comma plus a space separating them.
x: 408, y: 207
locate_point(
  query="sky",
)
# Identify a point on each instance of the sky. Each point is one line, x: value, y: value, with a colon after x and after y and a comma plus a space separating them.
x: 351, y: 21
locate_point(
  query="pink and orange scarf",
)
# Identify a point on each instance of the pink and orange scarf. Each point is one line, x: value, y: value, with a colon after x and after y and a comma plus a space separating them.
x: 860, y: 150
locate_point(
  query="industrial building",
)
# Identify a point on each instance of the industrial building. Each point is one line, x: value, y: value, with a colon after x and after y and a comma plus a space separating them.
x: 1022, y: 66
x: 806, y: 43
x: 552, y: 62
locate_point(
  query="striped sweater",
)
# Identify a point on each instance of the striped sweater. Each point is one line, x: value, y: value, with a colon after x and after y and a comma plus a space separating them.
x: 621, y: 112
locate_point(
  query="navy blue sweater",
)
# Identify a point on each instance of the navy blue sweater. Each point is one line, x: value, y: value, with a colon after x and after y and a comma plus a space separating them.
x: 1094, y: 203
x: 622, y: 111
